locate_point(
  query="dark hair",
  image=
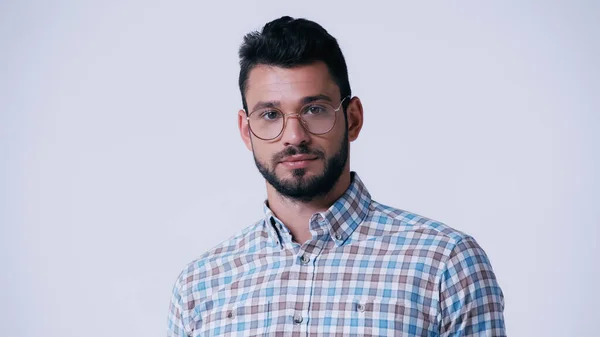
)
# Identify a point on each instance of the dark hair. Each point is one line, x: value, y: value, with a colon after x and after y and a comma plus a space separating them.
x: 287, y: 42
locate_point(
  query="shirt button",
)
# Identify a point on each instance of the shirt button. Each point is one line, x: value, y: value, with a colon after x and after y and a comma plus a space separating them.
x: 338, y: 236
x: 305, y: 259
x: 297, y: 319
x: 230, y: 314
x: 360, y: 307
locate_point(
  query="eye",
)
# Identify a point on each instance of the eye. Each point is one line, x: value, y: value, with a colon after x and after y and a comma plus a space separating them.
x: 270, y: 115
x: 314, y: 110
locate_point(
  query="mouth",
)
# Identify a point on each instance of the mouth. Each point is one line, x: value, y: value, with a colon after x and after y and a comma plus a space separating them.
x: 298, y: 161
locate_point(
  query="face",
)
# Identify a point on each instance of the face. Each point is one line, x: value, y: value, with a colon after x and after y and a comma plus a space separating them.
x: 298, y: 164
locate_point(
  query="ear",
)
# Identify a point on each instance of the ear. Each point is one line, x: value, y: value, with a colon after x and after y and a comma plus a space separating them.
x: 244, y: 129
x: 355, y: 118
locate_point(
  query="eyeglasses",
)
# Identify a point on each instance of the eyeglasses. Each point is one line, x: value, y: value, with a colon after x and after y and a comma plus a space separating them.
x: 317, y: 118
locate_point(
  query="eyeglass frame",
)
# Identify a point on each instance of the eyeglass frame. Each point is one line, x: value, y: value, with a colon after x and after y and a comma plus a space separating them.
x: 297, y: 114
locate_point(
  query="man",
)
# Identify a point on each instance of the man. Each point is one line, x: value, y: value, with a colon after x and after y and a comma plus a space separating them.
x: 326, y: 259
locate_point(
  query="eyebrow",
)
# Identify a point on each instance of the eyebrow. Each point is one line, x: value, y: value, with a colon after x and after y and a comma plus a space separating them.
x: 310, y: 99
x: 303, y: 101
x: 266, y: 104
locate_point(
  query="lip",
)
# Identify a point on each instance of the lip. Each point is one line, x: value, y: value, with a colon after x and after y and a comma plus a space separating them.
x: 298, y: 161
x: 298, y: 157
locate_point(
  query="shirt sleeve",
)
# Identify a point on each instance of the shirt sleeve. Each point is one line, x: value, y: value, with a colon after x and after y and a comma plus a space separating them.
x: 471, y: 300
x: 175, y: 321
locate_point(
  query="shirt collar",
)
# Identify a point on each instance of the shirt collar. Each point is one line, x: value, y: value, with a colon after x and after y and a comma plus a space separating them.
x: 341, y: 219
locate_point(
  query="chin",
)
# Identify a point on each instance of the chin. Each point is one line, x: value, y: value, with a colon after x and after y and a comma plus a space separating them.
x: 299, y: 173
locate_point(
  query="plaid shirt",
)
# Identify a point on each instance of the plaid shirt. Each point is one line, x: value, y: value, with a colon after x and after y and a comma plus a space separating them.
x: 369, y: 270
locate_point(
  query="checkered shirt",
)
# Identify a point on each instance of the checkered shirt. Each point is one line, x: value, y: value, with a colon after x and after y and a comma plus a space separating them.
x: 368, y: 270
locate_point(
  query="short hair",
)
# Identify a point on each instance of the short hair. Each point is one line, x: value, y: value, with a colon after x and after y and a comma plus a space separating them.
x: 287, y: 42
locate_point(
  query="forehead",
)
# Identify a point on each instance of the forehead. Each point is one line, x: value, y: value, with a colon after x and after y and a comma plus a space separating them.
x: 267, y: 83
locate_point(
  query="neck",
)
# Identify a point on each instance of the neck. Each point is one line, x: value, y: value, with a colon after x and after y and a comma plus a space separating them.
x: 296, y: 214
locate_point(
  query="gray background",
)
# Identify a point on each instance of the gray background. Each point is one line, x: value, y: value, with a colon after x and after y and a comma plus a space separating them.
x: 121, y: 159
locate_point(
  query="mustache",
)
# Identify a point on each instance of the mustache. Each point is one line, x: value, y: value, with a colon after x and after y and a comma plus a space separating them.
x: 292, y: 150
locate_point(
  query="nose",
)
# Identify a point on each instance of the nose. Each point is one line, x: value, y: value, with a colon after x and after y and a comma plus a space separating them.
x: 294, y: 132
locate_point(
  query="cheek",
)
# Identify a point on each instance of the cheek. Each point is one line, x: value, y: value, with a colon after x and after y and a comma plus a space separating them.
x: 263, y: 152
x: 334, y: 140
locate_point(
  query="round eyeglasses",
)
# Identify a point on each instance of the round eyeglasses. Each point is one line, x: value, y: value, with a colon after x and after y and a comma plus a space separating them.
x: 317, y: 117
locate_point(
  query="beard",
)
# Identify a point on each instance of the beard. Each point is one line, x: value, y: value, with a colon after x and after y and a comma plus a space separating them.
x: 302, y: 188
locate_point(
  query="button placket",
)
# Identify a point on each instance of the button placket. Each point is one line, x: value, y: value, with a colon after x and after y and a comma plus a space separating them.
x: 274, y: 232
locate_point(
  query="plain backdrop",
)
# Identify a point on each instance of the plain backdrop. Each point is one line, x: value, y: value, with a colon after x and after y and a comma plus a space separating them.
x: 121, y: 160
